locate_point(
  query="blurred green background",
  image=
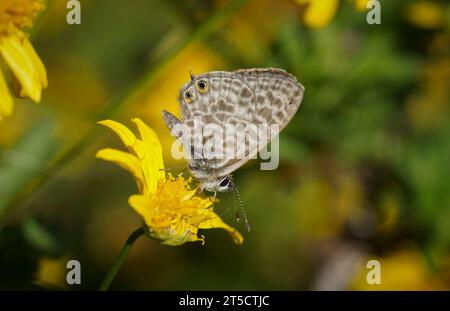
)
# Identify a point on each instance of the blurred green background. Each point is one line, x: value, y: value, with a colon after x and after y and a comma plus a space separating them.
x: 364, y: 171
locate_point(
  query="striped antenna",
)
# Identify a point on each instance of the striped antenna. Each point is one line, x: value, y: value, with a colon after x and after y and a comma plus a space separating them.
x: 241, y: 205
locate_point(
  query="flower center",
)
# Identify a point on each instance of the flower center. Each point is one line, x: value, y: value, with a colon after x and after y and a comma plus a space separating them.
x: 18, y: 14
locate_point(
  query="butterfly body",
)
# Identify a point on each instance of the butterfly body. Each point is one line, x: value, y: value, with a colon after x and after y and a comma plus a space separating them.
x: 247, y: 98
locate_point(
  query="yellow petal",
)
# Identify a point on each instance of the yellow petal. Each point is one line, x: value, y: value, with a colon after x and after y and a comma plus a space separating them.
x: 177, y: 240
x: 214, y: 221
x: 40, y: 68
x: 22, y: 65
x: 152, y: 163
x: 320, y: 12
x: 125, y: 160
x: 147, y: 149
x: 127, y: 137
x: 6, y: 101
x: 140, y: 203
x: 152, y: 141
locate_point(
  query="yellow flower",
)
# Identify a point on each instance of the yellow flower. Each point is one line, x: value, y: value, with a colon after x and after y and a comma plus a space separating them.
x: 170, y: 207
x: 402, y: 269
x: 426, y: 14
x: 51, y: 272
x: 17, y: 53
x: 319, y: 13
x: 361, y: 5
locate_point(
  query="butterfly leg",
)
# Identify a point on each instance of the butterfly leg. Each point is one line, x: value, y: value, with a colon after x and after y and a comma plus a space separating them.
x: 199, y: 190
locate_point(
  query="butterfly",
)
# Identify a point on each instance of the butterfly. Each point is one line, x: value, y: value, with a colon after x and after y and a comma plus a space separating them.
x: 257, y: 96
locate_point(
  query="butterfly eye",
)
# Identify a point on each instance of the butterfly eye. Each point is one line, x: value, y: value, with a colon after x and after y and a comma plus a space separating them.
x: 225, y: 182
x: 188, y: 96
x: 202, y: 86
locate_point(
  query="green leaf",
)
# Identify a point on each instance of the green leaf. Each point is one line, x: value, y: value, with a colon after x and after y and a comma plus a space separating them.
x: 39, y: 237
x: 21, y: 164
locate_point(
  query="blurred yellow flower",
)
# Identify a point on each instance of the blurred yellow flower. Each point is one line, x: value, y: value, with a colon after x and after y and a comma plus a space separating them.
x: 428, y: 107
x: 403, y: 269
x: 16, y: 51
x: 171, y: 209
x: 51, y: 272
x: 319, y: 13
x: 314, y: 219
x: 426, y: 14
x: 361, y: 5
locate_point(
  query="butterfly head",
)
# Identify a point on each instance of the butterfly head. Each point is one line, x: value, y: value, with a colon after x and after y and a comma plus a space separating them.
x: 222, y: 184
x: 195, y: 88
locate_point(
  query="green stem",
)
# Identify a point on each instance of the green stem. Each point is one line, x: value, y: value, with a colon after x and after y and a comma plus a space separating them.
x: 121, y: 258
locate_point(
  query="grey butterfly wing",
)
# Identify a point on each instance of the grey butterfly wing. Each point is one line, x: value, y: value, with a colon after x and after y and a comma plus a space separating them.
x: 241, y: 98
x: 275, y: 98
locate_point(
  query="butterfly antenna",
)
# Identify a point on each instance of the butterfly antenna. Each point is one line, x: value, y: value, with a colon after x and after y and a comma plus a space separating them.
x: 238, y: 217
x: 191, y: 74
x: 241, y: 205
